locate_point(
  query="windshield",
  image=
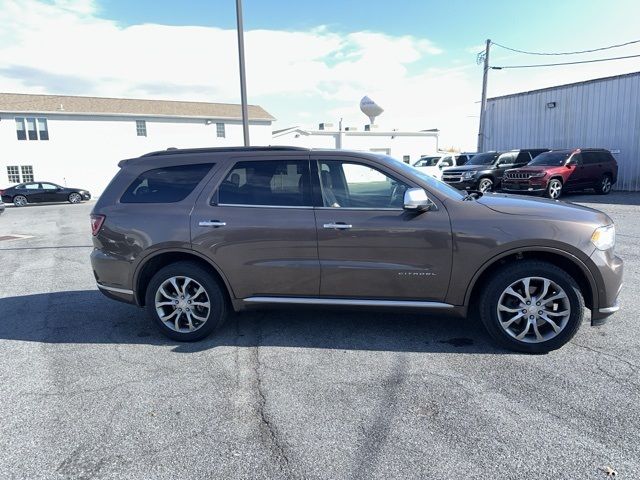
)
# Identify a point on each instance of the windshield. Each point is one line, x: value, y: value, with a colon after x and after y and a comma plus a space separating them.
x: 427, y: 161
x: 483, y: 158
x: 551, y: 158
x: 428, y: 179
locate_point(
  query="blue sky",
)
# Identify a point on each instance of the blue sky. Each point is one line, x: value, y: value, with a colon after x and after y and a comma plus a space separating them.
x: 309, y: 62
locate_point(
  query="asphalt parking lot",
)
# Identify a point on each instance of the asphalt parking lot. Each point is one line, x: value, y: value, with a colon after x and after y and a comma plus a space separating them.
x: 89, y: 389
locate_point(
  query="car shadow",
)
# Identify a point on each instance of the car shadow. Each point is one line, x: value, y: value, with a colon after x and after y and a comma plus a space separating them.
x: 86, y: 316
x: 614, y: 198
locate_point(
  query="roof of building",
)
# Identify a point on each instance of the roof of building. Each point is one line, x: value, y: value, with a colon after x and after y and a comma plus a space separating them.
x: 65, y: 104
x: 565, y: 85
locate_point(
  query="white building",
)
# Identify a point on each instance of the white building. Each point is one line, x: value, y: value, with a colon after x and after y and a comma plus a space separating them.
x: 603, y: 113
x: 78, y: 141
x: 404, y: 145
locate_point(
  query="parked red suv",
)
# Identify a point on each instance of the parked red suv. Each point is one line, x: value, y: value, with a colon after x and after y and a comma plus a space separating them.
x: 557, y: 171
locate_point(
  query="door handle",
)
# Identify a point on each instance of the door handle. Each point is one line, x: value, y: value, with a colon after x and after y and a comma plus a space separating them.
x: 338, y: 226
x: 211, y: 223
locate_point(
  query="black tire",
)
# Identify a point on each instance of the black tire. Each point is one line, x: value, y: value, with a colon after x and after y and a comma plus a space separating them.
x: 74, y: 195
x: 20, y: 201
x: 217, y: 299
x: 604, y: 186
x: 490, y: 185
x: 552, y: 192
x: 509, y: 274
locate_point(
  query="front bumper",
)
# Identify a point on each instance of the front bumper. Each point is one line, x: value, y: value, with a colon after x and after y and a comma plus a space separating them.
x: 611, y: 270
x: 470, y: 184
x: 86, y: 196
x: 523, y: 187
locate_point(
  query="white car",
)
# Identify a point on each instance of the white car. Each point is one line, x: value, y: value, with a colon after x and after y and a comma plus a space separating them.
x: 434, y: 164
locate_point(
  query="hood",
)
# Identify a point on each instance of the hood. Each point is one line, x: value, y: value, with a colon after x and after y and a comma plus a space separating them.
x: 542, y: 208
x: 537, y: 168
x: 464, y: 168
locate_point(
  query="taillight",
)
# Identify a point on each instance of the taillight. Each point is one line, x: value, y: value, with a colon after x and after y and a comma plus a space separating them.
x: 1, y: 192
x: 96, y: 223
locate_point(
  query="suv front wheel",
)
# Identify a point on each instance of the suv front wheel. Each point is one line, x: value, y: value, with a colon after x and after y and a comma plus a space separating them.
x: 185, y: 302
x: 554, y: 189
x: 532, y: 306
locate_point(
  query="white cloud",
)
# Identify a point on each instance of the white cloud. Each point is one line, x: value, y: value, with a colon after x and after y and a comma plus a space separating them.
x: 65, y: 46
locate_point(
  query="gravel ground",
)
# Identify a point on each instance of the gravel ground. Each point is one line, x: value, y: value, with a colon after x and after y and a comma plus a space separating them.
x: 89, y: 389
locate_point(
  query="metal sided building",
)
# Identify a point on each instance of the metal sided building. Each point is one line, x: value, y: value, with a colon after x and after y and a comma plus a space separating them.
x: 604, y: 112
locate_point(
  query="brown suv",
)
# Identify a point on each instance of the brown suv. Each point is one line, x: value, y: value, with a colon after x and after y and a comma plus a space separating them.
x: 192, y: 233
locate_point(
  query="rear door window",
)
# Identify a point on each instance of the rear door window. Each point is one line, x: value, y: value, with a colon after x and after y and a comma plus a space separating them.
x: 277, y: 183
x: 166, y: 185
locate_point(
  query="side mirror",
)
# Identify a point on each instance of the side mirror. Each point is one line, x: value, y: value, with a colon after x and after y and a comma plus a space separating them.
x: 415, y: 199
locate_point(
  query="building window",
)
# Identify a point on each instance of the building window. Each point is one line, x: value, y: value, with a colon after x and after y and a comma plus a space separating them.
x: 220, y: 130
x: 13, y: 174
x: 32, y: 128
x: 141, y: 128
x: 43, y: 129
x: 406, y: 158
x: 27, y: 173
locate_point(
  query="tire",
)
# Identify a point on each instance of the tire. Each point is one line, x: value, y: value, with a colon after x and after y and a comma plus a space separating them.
x: 199, y: 277
x: 74, y: 198
x: 554, y: 189
x: 20, y: 201
x: 604, y: 186
x: 485, y: 185
x: 503, y: 328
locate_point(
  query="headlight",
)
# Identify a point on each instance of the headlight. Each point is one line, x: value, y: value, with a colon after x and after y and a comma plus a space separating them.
x: 604, y: 238
x: 469, y: 174
x: 538, y: 175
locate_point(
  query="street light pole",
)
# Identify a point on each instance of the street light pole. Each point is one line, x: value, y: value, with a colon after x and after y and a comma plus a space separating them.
x: 483, y: 103
x: 243, y: 76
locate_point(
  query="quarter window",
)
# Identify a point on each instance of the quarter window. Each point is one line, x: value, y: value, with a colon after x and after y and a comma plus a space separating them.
x: 13, y: 173
x: 220, y: 130
x: 141, y: 128
x: 166, y: 185
x: 272, y: 183
x: 27, y: 173
x: 354, y: 185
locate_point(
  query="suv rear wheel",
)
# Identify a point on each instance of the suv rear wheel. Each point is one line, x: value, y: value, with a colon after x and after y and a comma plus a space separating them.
x: 532, y: 306
x: 554, y: 188
x: 604, y: 187
x: 185, y: 302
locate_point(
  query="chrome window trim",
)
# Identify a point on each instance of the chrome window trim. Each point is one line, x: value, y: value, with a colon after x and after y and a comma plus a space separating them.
x: 337, y: 209
x: 295, y: 207
x: 347, y: 301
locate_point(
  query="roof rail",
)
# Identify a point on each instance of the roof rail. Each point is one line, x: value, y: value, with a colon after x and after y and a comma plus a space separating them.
x: 176, y: 151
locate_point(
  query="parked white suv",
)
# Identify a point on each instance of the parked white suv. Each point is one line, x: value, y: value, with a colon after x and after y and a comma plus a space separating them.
x: 434, y: 164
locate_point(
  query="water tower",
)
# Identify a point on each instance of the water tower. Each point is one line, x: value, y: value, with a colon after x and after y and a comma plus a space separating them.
x: 370, y: 108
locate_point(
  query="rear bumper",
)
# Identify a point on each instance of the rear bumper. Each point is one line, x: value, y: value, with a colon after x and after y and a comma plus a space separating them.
x: 112, y: 274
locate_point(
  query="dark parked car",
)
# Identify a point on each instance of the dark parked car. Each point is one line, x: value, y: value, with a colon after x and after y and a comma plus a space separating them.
x: 558, y: 171
x: 41, y: 192
x: 193, y: 233
x: 484, y: 171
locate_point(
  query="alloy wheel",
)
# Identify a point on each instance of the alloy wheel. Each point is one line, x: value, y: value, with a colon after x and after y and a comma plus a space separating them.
x: 533, y: 309
x: 75, y: 198
x: 605, y: 186
x: 555, y: 188
x: 182, y: 304
x: 485, y: 185
x: 20, y: 201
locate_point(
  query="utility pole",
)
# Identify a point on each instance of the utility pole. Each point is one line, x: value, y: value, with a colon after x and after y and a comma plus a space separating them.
x: 483, y: 102
x: 243, y: 76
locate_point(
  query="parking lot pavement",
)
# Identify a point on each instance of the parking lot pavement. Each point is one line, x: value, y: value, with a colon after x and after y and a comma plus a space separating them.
x: 89, y: 389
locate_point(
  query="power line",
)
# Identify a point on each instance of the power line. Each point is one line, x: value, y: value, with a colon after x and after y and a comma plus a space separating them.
x: 564, y: 63
x: 566, y: 53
